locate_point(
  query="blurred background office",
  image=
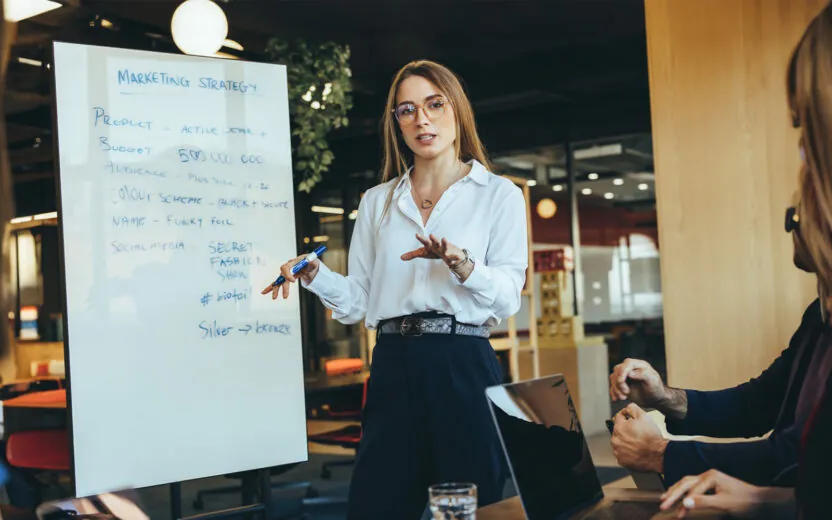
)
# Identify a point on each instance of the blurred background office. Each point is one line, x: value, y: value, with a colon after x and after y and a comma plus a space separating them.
x: 548, y: 79
x: 650, y: 138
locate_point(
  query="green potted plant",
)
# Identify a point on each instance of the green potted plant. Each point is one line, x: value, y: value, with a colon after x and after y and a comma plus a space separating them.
x: 320, y: 89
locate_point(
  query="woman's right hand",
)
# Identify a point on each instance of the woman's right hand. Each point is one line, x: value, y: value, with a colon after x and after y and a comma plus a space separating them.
x: 307, y: 274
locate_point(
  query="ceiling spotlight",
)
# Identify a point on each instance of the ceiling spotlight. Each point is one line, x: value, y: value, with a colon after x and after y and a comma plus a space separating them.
x: 586, y: 191
x: 547, y: 208
x: 618, y: 182
x: 592, y: 176
x: 557, y: 187
x: 328, y: 210
x: 531, y: 182
x: 643, y: 186
x: 608, y: 196
x: 30, y: 61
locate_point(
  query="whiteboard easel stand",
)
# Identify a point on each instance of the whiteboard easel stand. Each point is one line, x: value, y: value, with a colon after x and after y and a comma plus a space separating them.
x: 263, y: 474
x: 264, y: 477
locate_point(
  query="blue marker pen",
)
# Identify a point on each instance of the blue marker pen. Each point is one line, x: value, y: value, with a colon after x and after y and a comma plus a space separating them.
x: 298, y: 267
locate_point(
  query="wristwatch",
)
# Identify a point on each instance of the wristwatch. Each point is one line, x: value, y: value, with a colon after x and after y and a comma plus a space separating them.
x: 468, y: 258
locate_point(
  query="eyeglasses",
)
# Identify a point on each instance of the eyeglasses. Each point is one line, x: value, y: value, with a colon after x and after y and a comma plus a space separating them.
x: 434, y: 109
x: 792, y: 219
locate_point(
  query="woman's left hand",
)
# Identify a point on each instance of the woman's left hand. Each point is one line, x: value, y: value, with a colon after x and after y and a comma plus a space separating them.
x: 435, y: 248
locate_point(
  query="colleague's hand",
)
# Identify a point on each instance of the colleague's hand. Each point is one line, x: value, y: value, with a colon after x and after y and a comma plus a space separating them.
x: 637, y: 381
x: 714, y: 490
x: 307, y: 274
x: 637, y: 443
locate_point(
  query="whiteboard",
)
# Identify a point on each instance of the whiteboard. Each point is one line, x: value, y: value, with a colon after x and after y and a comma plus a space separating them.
x: 176, y: 208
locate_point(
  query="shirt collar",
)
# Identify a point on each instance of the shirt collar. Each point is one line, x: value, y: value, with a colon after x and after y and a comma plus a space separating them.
x: 478, y: 174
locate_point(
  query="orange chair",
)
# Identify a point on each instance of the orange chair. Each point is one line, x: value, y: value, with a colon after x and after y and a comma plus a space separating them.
x: 46, y: 399
x: 335, y: 368
x: 339, y: 367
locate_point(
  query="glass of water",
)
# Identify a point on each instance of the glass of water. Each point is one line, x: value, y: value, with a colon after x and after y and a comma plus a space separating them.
x: 453, y: 501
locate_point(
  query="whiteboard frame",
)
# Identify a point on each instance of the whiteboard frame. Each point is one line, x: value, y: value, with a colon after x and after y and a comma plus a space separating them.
x: 62, y: 258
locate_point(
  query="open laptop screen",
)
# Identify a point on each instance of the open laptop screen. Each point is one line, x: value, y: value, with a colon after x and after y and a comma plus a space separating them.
x: 545, y: 446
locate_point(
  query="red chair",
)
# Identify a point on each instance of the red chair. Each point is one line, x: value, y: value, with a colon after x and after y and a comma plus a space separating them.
x: 348, y: 437
x: 44, y: 450
x: 40, y: 453
x: 37, y: 445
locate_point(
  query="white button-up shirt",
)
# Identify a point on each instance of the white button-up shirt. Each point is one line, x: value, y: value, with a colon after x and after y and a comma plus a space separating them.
x: 481, y: 212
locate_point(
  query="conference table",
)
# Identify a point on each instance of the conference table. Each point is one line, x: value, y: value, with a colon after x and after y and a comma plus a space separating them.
x: 35, y: 411
x: 512, y: 509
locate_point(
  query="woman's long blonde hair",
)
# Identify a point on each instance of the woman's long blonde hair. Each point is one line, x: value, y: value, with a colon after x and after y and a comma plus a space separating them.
x: 397, y: 156
x: 810, y: 98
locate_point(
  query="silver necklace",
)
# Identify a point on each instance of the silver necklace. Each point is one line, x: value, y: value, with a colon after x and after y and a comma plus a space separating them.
x: 427, y: 203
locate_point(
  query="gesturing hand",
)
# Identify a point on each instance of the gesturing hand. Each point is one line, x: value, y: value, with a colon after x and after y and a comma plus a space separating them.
x: 433, y: 248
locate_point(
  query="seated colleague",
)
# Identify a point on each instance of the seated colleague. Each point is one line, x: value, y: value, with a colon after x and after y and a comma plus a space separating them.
x: 782, y: 398
x: 810, y: 99
x: 717, y: 491
x: 766, y: 403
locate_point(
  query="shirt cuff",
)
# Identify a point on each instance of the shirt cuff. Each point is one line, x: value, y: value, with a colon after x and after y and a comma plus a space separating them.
x: 480, y: 283
x: 323, y: 285
x: 671, y: 472
x: 683, y: 426
x: 478, y: 280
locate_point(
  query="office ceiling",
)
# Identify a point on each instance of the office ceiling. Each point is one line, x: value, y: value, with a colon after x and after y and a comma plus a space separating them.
x: 540, y: 72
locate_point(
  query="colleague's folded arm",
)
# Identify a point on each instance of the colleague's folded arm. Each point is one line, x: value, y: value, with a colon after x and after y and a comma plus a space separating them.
x: 750, y: 409
x: 763, y: 463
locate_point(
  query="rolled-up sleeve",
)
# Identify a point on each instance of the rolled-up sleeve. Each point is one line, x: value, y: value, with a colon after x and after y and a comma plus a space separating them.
x: 497, y: 281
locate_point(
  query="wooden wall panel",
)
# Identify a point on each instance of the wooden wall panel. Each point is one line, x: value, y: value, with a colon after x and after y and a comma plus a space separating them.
x: 8, y: 32
x: 726, y: 168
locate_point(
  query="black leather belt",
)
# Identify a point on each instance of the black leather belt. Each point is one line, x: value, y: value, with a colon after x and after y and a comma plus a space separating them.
x: 418, y: 325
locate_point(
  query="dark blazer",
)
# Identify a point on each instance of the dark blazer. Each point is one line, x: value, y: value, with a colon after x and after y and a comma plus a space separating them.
x: 815, y: 459
x: 766, y: 403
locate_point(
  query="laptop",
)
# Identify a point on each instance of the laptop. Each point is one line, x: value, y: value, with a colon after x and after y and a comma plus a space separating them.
x: 548, y: 455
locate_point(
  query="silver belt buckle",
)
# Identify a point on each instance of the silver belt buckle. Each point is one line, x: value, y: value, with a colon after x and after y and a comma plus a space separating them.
x: 411, y: 326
